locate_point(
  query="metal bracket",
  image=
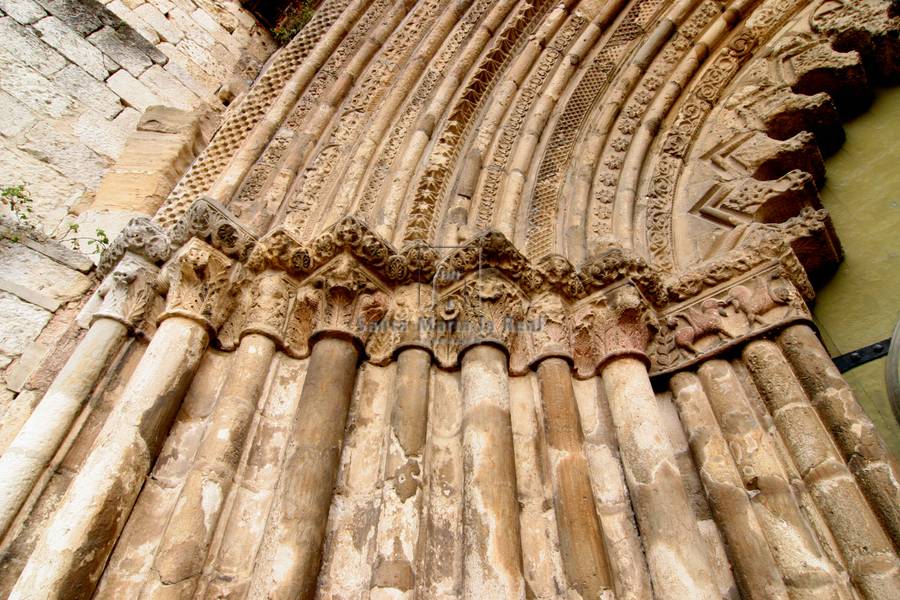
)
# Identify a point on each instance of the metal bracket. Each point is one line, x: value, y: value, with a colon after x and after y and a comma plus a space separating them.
x: 861, y: 356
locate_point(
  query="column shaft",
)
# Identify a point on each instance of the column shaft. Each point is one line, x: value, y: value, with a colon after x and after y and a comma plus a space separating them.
x: 871, y: 559
x: 186, y: 538
x: 492, y: 566
x: 806, y: 572
x: 288, y: 561
x: 541, y: 558
x: 679, y: 566
x: 33, y: 448
x: 441, y: 555
x: 70, y: 556
x: 875, y: 468
x: 581, y: 540
x: 229, y: 573
x: 627, y: 563
x: 401, y: 500
x: 755, y: 569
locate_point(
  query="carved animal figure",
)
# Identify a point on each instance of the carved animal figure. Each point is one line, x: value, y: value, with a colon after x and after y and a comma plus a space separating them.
x: 697, y: 323
x: 753, y: 303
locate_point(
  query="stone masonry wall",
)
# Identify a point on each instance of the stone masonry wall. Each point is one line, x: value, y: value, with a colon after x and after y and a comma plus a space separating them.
x: 75, y: 76
x: 78, y: 79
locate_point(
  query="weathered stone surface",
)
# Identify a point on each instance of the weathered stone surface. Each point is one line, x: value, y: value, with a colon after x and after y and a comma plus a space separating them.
x: 755, y: 569
x: 42, y: 274
x: 34, y: 91
x: 14, y: 116
x: 114, y: 46
x: 493, y: 559
x: 292, y: 546
x: 168, y: 88
x: 679, y: 565
x: 581, y: 541
x: 100, y: 135
x: 155, y: 19
x: 53, y: 193
x: 22, y: 45
x: 71, y: 45
x: 870, y: 461
x: 132, y: 91
x: 871, y: 558
x: 75, y: 82
x: 29, y: 295
x: 796, y: 550
x: 66, y: 154
x: 82, y: 17
x: 22, y: 323
x: 23, y: 11
x: 112, y: 475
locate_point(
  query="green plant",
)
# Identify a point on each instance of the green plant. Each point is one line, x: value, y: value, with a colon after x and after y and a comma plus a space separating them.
x: 293, y: 20
x: 19, y: 202
x: 97, y: 243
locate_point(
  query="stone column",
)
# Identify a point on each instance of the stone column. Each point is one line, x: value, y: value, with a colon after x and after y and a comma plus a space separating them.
x: 581, y: 540
x: 126, y: 294
x: 755, y: 569
x: 441, y: 553
x: 401, y: 501
x: 806, y: 572
x: 185, y: 541
x: 288, y: 561
x: 71, y: 554
x: 871, y: 559
x: 874, y: 466
x: 610, y: 334
x: 492, y: 564
x: 678, y: 564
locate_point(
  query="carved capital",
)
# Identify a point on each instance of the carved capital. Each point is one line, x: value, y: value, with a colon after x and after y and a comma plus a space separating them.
x: 484, y: 307
x: 350, y: 299
x: 201, y: 283
x: 612, y: 323
x: 406, y: 323
x: 726, y: 316
x: 128, y: 293
x: 141, y: 237
x: 549, y: 328
x: 269, y: 305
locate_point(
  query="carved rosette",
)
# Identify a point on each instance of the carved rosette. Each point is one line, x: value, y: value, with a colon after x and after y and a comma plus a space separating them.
x: 209, y: 221
x: 141, y: 237
x: 201, y: 284
x: 613, y: 323
x: 128, y: 293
